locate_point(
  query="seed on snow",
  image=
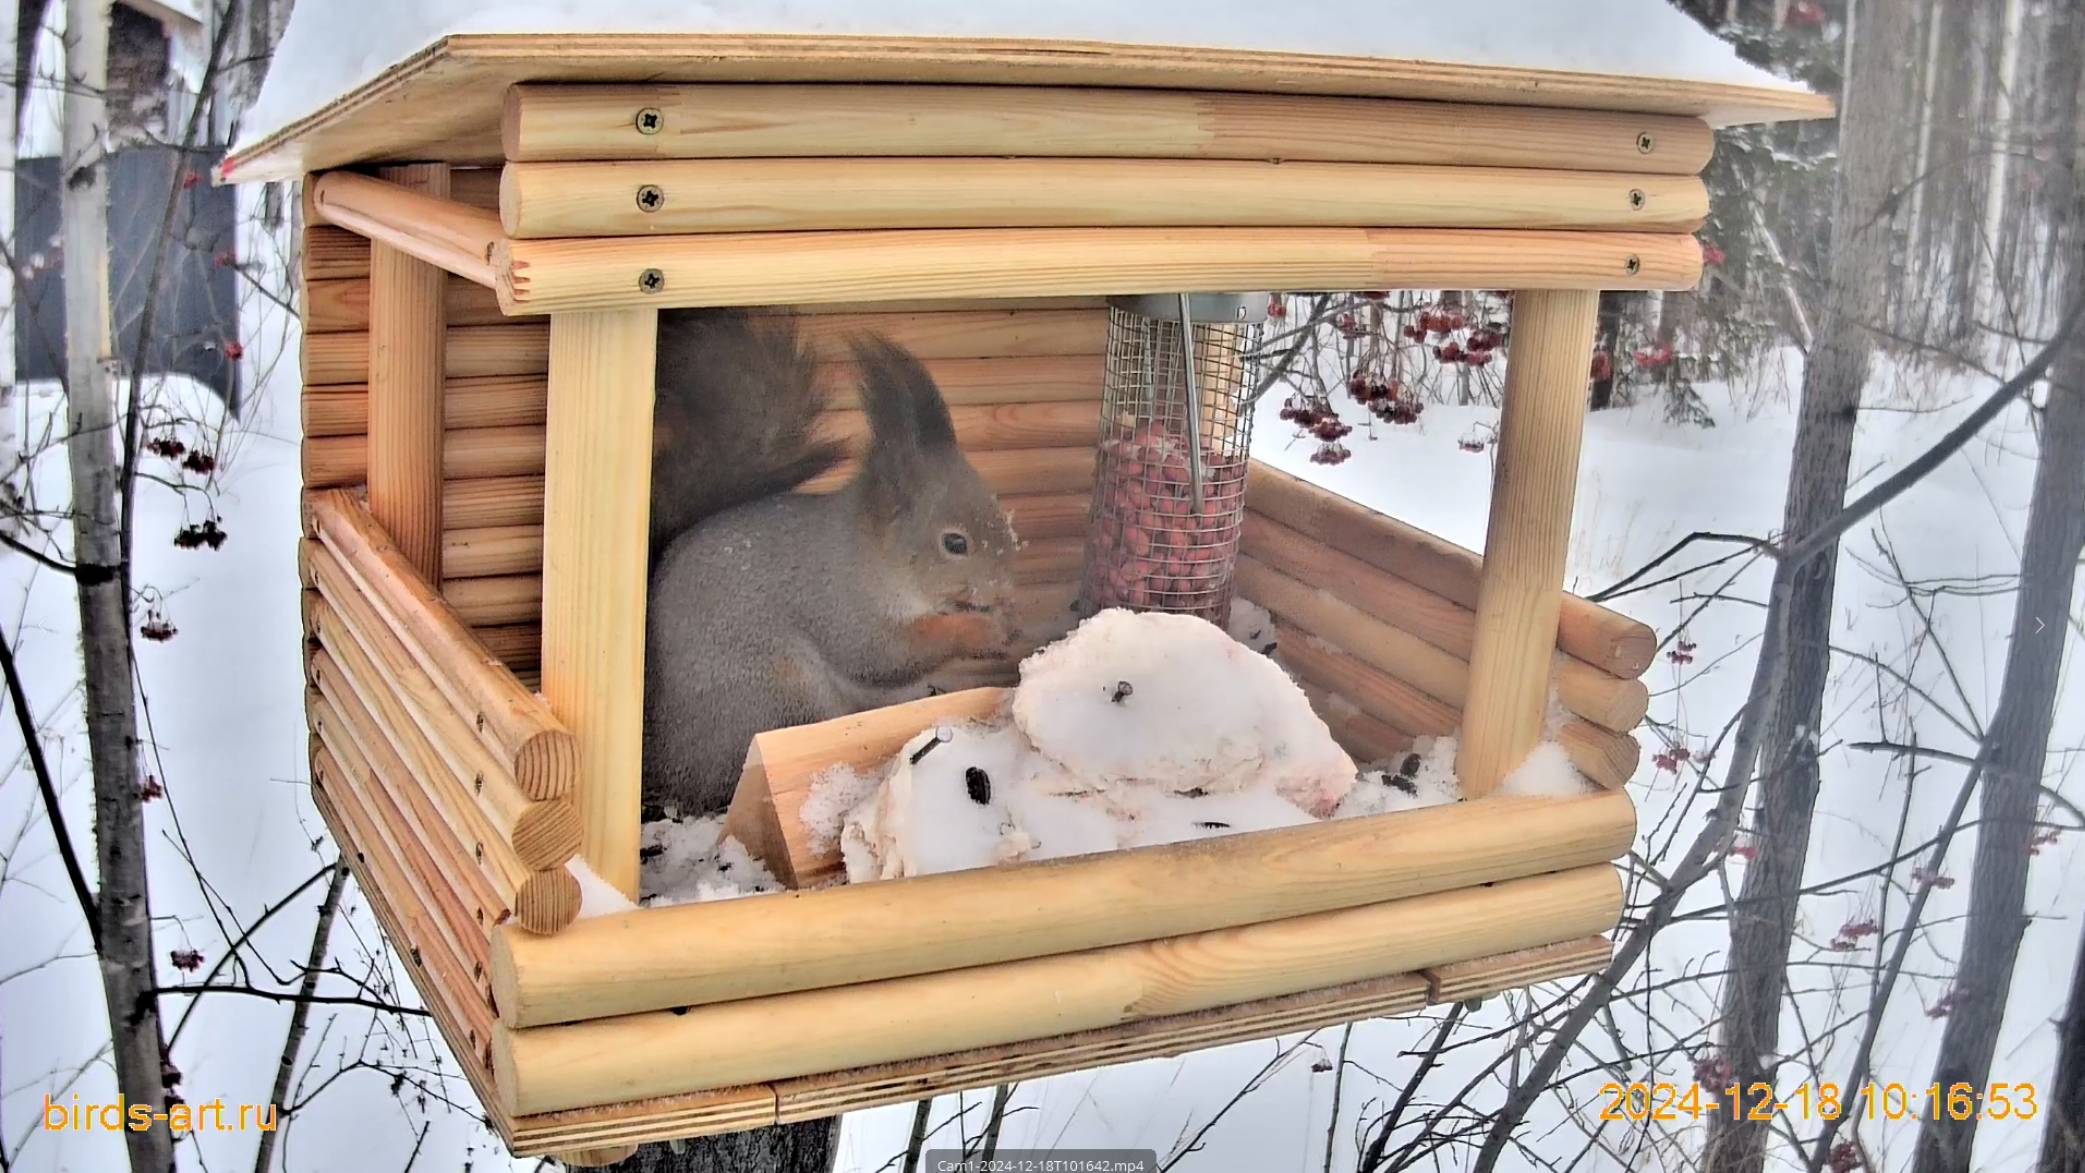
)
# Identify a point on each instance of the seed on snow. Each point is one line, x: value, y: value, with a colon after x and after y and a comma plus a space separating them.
x: 979, y: 784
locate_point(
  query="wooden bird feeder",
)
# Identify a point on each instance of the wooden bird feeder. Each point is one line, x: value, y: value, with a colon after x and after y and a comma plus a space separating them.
x: 492, y: 228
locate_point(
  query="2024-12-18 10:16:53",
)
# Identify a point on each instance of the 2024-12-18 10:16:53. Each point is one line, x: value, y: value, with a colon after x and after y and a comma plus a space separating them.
x: 1759, y: 1101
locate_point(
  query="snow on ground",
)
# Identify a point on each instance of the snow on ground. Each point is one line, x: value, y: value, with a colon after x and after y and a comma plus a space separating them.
x: 332, y: 46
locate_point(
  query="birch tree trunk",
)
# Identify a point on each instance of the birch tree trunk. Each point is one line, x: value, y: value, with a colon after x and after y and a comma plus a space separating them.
x: 2019, y: 733
x: 1989, y: 308
x: 125, y: 905
x: 1873, y: 109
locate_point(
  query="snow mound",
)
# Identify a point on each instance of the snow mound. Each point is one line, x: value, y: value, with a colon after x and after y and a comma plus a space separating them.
x: 685, y: 860
x: 1173, y: 702
x: 1422, y: 778
x: 1548, y: 773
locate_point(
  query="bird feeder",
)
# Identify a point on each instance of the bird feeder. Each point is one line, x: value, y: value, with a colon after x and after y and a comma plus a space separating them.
x: 491, y: 229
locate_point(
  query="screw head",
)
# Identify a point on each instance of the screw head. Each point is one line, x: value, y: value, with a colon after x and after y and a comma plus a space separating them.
x: 1645, y: 144
x: 649, y: 120
x: 1637, y: 199
x: 651, y: 197
x: 651, y: 280
x: 1633, y: 265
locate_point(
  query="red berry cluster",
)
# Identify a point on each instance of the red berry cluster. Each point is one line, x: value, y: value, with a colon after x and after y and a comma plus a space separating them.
x: 1603, y: 366
x: 200, y: 462
x: 1944, y: 1007
x: 185, y: 960
x: 1940, y: 880
x: 150, y: 789
x: 1682, y: 652
x: 1469, y: 445
x: 1671, y: 759
x: 1151, y: 547
x: 1852, y: 933
x: 234, y: 350
x: 1846, y: 1158
x: 1746, y: 851
x: 1653, y: 358
x: 156, y: 628
x: 1277, y: 307
x: 167, y: 446
x: 207, y: 533
x: 1712, y: 1071
x: 1711, y: 255
x: 1806, y: 14
x: 2035, y: 845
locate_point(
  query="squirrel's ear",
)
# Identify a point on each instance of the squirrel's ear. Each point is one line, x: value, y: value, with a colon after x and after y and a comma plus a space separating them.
x: 909, y: 426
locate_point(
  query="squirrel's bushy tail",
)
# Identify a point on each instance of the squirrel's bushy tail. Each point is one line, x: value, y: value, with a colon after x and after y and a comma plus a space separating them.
x: 737, y: 409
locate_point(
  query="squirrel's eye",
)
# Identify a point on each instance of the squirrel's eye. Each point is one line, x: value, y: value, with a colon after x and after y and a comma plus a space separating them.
x: 955, y: 543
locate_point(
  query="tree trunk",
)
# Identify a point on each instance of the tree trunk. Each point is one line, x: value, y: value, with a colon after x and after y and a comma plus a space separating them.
x: 2063, y: 1137
x: 125, y: 905
x: 1873, y: 108
x: 789, y: 1148
x: 1606, y: 340
x: 2019, y: 733
x: 1990, y: 307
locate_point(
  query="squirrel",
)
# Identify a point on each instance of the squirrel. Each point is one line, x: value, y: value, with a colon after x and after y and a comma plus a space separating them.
x: 769, y: 607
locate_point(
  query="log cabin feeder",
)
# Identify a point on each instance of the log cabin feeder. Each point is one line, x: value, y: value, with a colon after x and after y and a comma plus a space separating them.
x: 491, y: 228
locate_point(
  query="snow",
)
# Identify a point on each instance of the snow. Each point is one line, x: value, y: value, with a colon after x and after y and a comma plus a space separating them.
x: 691, y: 859
x: 333, y: 46
x: 1547, y: 773
x: 597, y: 897
x: 1422, y: 778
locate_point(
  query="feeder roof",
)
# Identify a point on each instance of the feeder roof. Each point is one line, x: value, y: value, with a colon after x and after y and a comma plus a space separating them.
x: 357, y: 81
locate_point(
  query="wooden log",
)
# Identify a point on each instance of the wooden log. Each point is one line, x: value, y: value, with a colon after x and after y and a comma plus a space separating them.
x: 1018, y: 379
x: 724, y: 1044
x: 446, y: 234
x: 662, y: 197
x: 517, y: 348
x: 1367, y: 739
x: 333, y: 461
x: 477, y: 453
x: 1389, y: 647
x: 333, y: 253
x: 1612, y: 642
x: 693, y: 954
x: 434, y: 870
x: 475, y: 187
x: 494, y: 501
x: 429, y: 739
x: 1605, y: 757
x: 518, y: 645
x: 996, y: 334
x: 496, y: 401
x: 496, y: 600
x: 1611, y: 701
x: 341, y: 305
x: 1461, y: 981
x: 1011, y: 470
x: 440, y: 978
x: 820, y: 1096
x: 597, y: 505
x: 1048, y: 515
x: 1526, y: 543
x: 406, y: 328
x: 595, y: 1158
x: 510, y: 720
x: 558, y: 276
x: 550, y: 122
x: 1013, y: 425
x: 766, y: 808
x: 480, y: 553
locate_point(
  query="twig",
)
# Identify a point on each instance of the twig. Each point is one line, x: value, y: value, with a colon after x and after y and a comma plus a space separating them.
x: 293, y: 1039
x: 32, y: 743
x: 920, y: 1115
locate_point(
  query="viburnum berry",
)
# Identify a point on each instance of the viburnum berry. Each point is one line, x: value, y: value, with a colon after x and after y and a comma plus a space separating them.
x: 1470, y: 445
x: 1331, y: 428
x: 1477, y: 358
x: 1940, y: 880
x: 1712, y: 1071
x: 166, y: 446
x: 157, y: 629
x: 1359, y: 388
x: 200, y: 462
x: 234, y: 350
x: 186, y: 960
x: 1417, y: 331
x: 1330, y: 453
x: 207, y: 533
x: 1651, y: 358
x: 1745, y: 851
x: 1805, y: 14
x: 1603, y: 366
x: 1846, y: 1158
x: 1665, y: 761
x: 1277, y: 308
x: 150, y: 789
x: 1449, y: 352
x: 1711, y: 255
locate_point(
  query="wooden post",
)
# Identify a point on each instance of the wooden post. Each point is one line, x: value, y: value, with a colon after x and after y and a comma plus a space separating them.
x: 406, y: 328
x: 596, y: 510
x: 1519, y: 594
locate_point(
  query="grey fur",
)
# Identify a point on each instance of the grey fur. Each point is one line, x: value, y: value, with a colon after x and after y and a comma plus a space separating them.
x: 792, y: 608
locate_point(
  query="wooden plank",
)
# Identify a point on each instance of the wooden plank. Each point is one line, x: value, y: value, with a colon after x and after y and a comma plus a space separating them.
x: 973, y: 334
x: 597, y: 505
x: 571, y: 123
x: 549, y: 1068
x: 1519, y: 596
x: 444, y: 103
x: 1464, y: 980
x: 1606, y: 639
x: 553, y: 276
x: 406, y: 333
x: 669, y: 196
x: 696, y: 954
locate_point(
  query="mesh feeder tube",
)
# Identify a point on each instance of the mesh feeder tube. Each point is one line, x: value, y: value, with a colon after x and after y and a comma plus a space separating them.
x: 1175, y: 434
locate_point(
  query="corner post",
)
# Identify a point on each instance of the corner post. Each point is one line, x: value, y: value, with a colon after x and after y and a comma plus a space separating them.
x: 1520, y: 591
x: 596, y: 515
x: 407, y: 328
